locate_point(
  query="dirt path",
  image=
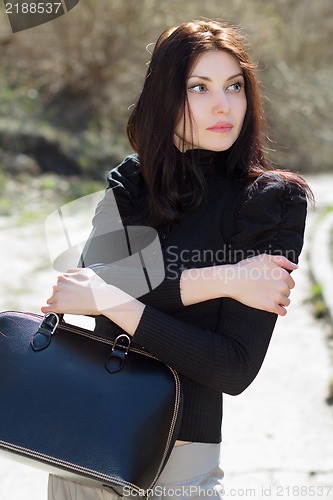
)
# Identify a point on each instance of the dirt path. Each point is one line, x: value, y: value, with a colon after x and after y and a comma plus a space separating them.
x: 278, y: 435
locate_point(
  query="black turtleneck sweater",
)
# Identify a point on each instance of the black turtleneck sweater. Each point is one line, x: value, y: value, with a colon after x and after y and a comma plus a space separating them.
x: 216, y: 346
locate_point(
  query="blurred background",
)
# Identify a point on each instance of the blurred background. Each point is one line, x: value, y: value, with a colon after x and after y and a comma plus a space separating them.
x: 66, y: 86
x: 65, y: 92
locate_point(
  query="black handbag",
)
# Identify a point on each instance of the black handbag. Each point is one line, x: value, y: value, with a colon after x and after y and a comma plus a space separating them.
x: 98, y: 411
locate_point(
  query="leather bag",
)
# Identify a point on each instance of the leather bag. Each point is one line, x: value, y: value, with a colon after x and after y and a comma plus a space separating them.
x: 98, y: 411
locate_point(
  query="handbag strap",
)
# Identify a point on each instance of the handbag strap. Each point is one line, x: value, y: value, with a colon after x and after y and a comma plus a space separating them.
x: 49, y: 324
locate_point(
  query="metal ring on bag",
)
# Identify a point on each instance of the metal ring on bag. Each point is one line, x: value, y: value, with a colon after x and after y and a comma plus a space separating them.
x: 122, y: 336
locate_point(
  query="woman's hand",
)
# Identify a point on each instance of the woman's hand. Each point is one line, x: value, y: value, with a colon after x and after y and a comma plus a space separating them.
x: 78, y: 291
x: 262, y: 282
x: 82, y: 291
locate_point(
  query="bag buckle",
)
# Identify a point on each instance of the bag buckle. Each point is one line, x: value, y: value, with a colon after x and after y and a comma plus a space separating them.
x: 120, y: 349
x: 46, y: 329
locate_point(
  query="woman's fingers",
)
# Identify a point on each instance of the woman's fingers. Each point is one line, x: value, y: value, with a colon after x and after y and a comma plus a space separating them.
x: 290, y: 282
x: 264, y: 282
x: 76, y: 292
x: 280, y: 310
x: 285, y: 265
x: 285, y: 277
x: 282, y: 261
x: 284, y: 301
x: 285, y: 289
x: 78, y: 275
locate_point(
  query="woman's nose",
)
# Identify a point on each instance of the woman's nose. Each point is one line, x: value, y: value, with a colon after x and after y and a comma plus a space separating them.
x: 221, y: 102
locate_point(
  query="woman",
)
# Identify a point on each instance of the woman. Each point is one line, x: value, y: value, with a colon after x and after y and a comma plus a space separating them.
x: 231, y: 230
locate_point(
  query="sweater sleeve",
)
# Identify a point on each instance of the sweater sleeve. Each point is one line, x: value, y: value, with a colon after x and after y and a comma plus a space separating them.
x: 112, y: 242
x: 228, y: 357
x: 107, y: 240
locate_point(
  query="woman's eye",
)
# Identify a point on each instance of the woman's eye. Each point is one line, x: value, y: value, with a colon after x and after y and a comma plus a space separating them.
x: 235, y: 87
x: 198, y: 88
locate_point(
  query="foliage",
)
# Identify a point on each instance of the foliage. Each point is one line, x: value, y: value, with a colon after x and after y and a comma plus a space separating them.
x: 80, y: 73
x: 317, y: 301
x: 329, y: 399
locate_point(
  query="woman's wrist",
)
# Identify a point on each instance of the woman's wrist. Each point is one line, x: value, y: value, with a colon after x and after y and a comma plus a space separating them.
x: 201, y: 284
x: 121, y: 308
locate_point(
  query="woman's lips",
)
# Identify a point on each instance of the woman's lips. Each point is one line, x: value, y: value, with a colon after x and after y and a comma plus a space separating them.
x: 221, y: 127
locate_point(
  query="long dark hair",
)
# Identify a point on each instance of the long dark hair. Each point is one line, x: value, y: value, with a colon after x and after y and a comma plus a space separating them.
x: 161, y: 104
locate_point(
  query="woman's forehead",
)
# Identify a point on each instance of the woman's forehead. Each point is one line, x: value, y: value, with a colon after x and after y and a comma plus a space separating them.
x: 215, y: 62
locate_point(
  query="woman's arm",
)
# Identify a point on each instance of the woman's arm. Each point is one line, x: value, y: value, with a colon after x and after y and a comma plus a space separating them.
x: 82, y: 291
x: 226, y: 359
x: 262, y: 282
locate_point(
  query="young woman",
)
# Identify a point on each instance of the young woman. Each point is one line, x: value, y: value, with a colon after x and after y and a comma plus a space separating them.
x: 231, y: 230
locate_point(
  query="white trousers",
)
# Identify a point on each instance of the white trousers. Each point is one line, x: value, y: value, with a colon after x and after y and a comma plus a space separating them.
x: 191, y: 472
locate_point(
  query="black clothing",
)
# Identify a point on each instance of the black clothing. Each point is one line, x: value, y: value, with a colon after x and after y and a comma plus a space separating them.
x: 219, y: 345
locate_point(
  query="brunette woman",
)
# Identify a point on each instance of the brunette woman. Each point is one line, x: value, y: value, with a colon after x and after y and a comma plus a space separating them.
x: 231, y: 230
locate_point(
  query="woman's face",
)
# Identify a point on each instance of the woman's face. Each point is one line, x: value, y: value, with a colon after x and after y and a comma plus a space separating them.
x: 217, y: 102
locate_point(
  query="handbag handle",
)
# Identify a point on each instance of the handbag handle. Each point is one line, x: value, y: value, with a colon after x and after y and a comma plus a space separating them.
x: 46, y: 329
x: 49, y: 324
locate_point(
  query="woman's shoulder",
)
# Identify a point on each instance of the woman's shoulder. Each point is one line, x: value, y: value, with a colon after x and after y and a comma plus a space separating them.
x: 272, y: 213
x: 271, y: 197
x: 126, y: 175
x: 276, y: 185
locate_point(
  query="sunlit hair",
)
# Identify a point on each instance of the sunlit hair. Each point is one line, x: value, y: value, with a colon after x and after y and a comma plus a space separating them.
x: 162, y: 104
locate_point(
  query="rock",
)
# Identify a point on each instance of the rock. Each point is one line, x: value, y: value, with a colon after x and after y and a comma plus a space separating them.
x: 47, y: 153
x: 23, y: 164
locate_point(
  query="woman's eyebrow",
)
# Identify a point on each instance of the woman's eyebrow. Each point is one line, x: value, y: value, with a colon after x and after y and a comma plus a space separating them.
x: 235, y: 76
x: 202, y: 77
